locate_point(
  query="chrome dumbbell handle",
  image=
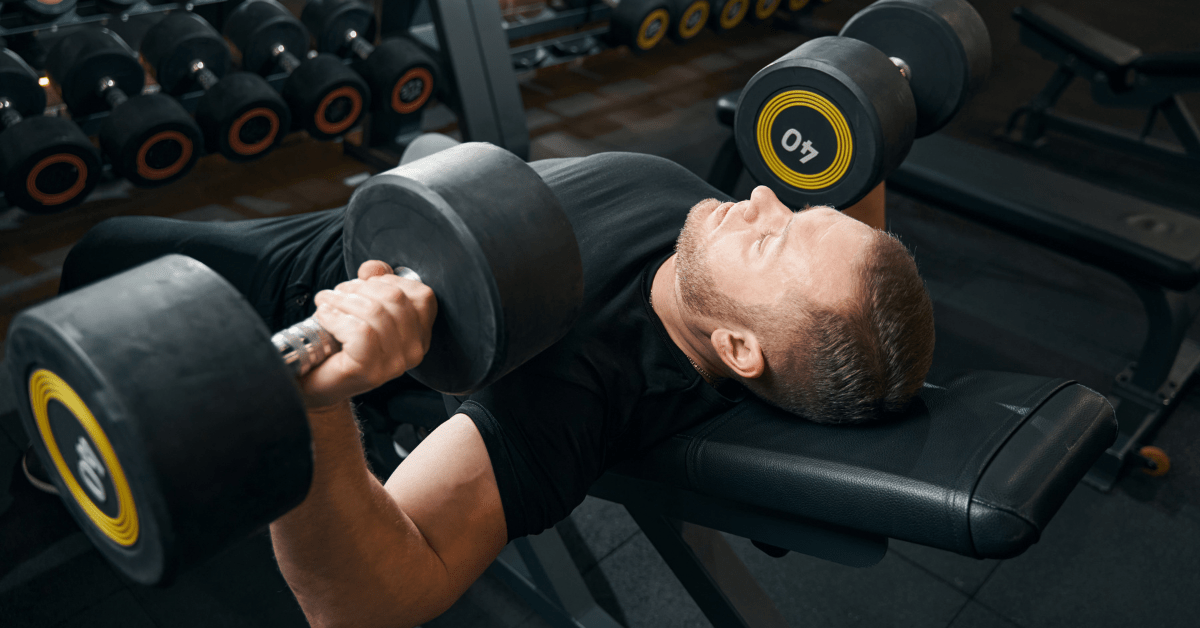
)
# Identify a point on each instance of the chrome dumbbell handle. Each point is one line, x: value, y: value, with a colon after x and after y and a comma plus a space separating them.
x: 306, y: 344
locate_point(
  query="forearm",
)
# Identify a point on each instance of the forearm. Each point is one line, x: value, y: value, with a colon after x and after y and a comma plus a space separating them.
x: 349, y: 552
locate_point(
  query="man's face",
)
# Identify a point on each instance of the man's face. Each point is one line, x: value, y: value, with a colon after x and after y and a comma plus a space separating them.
x: 753, y: 252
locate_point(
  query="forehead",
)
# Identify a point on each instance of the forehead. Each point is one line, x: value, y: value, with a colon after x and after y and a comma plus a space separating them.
x: 826, y: 253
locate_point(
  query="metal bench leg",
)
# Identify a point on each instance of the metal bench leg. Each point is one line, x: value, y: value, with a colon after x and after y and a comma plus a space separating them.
x: 1147, y: 390
x: 540, y: 570
x: 712, y: 573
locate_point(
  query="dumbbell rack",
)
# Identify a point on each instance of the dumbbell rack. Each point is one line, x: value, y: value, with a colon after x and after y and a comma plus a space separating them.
x: 13, y: 21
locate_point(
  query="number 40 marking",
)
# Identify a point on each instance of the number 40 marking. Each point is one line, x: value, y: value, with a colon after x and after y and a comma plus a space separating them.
x: 792, y: 140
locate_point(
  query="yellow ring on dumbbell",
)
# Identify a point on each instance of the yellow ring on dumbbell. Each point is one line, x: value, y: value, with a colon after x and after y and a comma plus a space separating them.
x: 841, y: 131
x: 44, y: 387
x: 796, y: 5
x: 764, y: 8
x: 699, y: 6
x: 733, y: 13
x: 647, y: 40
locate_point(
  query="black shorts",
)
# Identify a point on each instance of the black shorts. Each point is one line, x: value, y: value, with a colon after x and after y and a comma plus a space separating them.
x: 276, y: 263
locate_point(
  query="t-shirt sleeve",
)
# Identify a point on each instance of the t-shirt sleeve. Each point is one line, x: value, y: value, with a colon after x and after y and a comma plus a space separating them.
x: 545, y: 438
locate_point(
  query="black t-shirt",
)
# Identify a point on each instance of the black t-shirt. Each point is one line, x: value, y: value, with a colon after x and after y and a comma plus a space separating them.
x: 615, y: 384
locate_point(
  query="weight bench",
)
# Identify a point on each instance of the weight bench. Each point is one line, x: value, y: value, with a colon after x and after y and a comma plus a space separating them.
x: 977, y: 467
x: 1120, y: 76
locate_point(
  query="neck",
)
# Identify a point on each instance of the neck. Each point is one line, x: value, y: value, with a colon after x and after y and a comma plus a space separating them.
x: 683, y: 326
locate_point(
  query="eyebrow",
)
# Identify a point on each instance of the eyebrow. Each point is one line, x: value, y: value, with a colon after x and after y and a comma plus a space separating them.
x: 783, y: 232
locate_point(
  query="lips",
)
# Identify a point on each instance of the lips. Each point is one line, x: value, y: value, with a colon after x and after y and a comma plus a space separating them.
x: 723, y: 210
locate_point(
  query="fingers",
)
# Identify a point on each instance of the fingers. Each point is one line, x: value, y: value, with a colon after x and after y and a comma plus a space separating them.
x: 373, y: 268
x: 399, y: 313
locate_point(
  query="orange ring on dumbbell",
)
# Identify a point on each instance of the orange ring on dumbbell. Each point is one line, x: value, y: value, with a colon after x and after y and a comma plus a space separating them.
x: 235, y: 132
x: 335, y: 128
x: 66, y: 195
x: 146, y: 171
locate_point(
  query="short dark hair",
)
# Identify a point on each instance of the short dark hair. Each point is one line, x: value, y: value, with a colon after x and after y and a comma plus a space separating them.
x: 855, y: 363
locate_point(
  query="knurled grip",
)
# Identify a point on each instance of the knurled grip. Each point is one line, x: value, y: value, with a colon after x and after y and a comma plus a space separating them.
x: 305, y: 345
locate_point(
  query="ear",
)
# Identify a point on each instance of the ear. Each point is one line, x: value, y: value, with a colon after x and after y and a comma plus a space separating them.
x: 739, y: 351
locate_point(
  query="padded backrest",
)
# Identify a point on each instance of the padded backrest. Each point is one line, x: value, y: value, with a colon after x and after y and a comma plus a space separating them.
x: 1061, y: 34
x: 977, y: 467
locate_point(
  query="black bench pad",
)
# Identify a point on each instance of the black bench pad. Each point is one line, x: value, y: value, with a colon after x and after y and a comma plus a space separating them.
x: 1089, y: 44
x: 977, y: 467
x: 1123, y: 234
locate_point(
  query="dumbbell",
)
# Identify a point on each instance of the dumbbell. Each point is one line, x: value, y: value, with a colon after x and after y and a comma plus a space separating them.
x: 640, y: 24
x: 46, y: 164
x: 168, y: 414
x: 41, y: 11
x: 762, y: 10
x: 149, y: 139
x: 240, y: 114
x: 826, y: 122
x: 401, y: 76
x: 728, y: 14
x: 326, y: 97
x: 693, y: 15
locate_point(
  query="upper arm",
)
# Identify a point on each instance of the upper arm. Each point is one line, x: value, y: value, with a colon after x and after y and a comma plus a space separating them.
x: 448, y: 489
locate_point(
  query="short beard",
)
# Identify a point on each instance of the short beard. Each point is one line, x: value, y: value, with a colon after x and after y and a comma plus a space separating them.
x: 691, y: 268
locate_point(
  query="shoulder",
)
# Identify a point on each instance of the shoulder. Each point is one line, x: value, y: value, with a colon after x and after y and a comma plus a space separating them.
x: 617, y: 169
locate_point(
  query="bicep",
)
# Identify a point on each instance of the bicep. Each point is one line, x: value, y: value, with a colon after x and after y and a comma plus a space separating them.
x: 448, y: 489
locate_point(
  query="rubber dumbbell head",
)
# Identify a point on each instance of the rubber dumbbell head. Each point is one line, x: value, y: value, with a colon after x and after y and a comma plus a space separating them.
x: 179, y: 47
x: 151, y: 140
x: 44, y: 10
x: 728, y: 14
x: 258, y: 28
x: 331, y: 21
x: 943, y: 43
x: 151, y: 419
x: 243, y: 117
x: 46, y: 164
x: 762, y: 10
x: 693, y: 15
x: 640, y: 24
x: 327, y: 98
x: 824, y: 123
x: 401, y: 76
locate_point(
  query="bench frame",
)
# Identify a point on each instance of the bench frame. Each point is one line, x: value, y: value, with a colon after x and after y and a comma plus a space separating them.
x: 1159, y: 94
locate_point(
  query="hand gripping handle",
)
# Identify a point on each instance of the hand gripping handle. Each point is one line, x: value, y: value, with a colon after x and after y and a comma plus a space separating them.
x: 306, y: 344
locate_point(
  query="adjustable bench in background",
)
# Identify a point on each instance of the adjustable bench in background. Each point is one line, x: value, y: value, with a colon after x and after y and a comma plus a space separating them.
x: 1120, y: 76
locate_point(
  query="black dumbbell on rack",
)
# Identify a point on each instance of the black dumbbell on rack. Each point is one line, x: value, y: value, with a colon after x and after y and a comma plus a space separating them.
x: 693, y: 15
x: 46, y: 164
x: 240, y: 114
x: 401, y: 75
x: 148, y: 138
x: 326, y: 96
x: 42, y: 11
x: 762, y: 10
x: 641, y: 24
x: 728, y: 14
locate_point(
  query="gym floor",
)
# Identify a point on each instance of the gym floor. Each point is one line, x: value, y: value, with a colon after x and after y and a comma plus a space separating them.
x: 1119, y: 559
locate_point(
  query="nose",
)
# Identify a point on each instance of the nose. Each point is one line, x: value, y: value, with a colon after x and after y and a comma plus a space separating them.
x: 762, y: 202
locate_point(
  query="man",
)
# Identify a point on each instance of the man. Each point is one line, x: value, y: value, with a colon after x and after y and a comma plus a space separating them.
x: 813, y: 311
